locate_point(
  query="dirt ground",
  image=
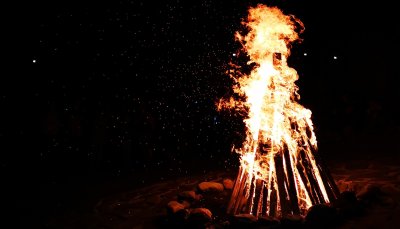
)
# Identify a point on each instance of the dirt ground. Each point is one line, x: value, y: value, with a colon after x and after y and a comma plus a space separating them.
x: 143, y: 207
x: 361, y: 164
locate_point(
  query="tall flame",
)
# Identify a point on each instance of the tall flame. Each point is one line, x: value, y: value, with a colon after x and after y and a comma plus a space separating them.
x: 279, y: 174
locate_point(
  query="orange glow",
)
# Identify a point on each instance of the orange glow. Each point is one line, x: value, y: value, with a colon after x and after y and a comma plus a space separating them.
x: 276, y: 122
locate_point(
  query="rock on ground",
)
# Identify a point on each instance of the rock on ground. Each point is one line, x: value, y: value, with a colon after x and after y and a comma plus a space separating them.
x: 321, y: 215
x: 187, y: 195
x: 228, y: 184
x: 200, y: 215
x: 211, y: 186
x: 243, y: 221
x: 292, y: 221
x: 174, y: 206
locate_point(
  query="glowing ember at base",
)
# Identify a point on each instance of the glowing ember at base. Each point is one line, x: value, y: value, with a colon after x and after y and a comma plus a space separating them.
x: 280, y: 173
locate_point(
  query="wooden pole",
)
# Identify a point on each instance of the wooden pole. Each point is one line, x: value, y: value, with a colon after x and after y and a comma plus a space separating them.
x: 280, y: 178
x: 273, y: 201
x: 291, y: 183
x: 265, y: 203
x: 257, y: 197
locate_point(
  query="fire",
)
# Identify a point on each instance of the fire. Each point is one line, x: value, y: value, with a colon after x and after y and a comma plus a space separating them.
x: 279, y: 172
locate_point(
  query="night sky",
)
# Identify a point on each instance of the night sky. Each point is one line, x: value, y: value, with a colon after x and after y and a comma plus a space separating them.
x: 129, y: 87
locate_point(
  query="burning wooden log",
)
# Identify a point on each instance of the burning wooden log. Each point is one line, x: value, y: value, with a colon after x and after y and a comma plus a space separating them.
x: 310, y: 172
x: 265, y: 205
x: 251, y: 193
x: 237, y: 193
x: 280, y: 175
x: 273, y: 202
x: 306, y: 183
x: 291, y: 183
x: 258, y: 194
x: 332, y: 190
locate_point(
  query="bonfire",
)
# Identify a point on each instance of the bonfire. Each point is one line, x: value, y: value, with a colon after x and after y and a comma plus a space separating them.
x: 280, y: 172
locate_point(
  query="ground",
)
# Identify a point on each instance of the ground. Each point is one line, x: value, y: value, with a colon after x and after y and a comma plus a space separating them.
x: 144, y: 206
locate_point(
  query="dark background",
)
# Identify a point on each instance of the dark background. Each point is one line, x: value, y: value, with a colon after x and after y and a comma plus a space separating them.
x: 128, y: 88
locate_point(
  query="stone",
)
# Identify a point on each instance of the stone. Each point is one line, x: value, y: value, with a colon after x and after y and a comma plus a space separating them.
x: 187, y: 195
x: 225, y: 224
x: 246, y: 217
x: 292, y: 221
x: 388, y: 202
x: 346, y: 198
x: 174, y: 206
x: 199, y: 197
x: 200, y: 216
x: 228, y: 184
x: 348, y: 205
x: 321, y: 215
x: 185, y: 204
x: 181, y: 215
x: 267, y: 221
x: 370, y: 194
x: 243, y: 221
x: 211, y: 186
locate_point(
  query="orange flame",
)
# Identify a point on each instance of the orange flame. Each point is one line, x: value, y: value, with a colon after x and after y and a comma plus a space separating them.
x: 276, y: 121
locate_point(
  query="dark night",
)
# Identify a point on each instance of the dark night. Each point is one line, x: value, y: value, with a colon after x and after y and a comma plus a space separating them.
x: 205, y: 114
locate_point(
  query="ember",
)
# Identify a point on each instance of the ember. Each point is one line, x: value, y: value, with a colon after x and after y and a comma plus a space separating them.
x: 280, y: 173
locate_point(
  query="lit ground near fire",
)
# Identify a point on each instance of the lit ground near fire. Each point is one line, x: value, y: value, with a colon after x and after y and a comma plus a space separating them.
x: 145, y: 207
